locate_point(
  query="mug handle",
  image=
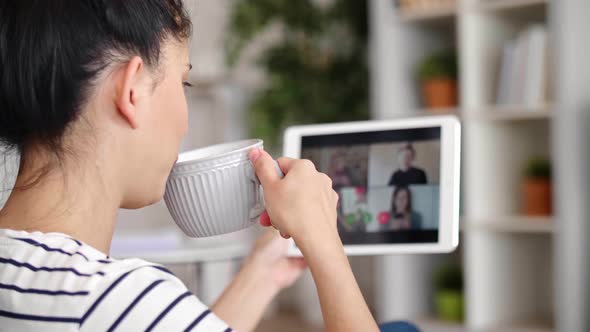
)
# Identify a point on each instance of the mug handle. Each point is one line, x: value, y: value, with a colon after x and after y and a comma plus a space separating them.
x: 259, y: 204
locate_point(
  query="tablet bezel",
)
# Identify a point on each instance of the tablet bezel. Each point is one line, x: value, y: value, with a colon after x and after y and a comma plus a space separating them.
x: 448, y: 231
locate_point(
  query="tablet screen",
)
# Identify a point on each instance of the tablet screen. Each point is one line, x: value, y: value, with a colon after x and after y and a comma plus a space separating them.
x: 388, y: 183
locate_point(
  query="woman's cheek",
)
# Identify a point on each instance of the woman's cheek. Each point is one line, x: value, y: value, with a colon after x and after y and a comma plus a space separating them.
x: 183, y: 107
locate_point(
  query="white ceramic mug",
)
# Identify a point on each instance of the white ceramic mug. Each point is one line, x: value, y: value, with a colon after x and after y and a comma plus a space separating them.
x: 214, y: 190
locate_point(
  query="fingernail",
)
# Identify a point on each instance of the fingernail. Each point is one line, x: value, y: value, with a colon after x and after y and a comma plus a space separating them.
x: 254, y: 154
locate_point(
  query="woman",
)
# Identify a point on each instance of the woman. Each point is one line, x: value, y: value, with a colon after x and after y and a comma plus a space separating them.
x: 339, y: 171
x: 91, y: 95
x: 402, y: 215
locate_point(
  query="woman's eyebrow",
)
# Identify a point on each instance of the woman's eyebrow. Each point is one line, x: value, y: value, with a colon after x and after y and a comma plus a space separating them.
x: 190, y: 66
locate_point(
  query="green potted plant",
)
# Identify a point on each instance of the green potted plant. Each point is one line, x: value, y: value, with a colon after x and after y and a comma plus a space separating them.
x: 448, y: 295
x: 536, y: 188
x: 437, y: 74
x: 316, y: 72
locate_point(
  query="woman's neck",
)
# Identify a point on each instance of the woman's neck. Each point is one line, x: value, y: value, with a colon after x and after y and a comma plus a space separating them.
x: 73, y: 201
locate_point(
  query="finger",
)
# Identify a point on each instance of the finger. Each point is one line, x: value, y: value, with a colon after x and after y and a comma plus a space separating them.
x: 264, y: 166
x: 327, y: 180
x: 264, y: 239
x: 286, y: 163
x: 335, y: 198
x: 298, y: 261
x: 265, y: 219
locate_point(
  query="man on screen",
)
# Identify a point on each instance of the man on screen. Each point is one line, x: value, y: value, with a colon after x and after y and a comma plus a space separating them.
x: 407, y: 174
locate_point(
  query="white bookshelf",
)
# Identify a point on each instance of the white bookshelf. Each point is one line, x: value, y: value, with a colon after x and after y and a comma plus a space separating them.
x: 510, y: 113
x: 434, y: 325
x: 512, y: 224
x: 440, y: 14
x: 506, y: 257
x: 508, y: 5
x: 434, y: 112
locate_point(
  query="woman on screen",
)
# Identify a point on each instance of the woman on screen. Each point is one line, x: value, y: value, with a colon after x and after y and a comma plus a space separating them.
x: 339, y: 172
x: 402, y: 216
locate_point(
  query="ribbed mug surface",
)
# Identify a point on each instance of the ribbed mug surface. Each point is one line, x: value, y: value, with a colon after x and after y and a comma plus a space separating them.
x: 213, y: 191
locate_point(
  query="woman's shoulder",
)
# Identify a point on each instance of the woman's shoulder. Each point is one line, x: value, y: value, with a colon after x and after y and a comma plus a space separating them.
x: 52, y: 275
x: 57, y: 258
x: 57, y: 252
x: 140, y: 267
x: 146, y: 296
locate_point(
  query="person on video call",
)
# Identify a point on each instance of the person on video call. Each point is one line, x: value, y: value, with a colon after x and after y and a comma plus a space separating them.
x: 339, y: 172
x: 402, y: 216
x: 407, y: 174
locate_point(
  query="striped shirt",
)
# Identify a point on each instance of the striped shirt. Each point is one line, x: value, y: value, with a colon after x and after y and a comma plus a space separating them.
x: 51, y: 282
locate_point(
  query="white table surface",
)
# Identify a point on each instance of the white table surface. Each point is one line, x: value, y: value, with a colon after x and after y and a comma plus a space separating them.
x: 169, y: 246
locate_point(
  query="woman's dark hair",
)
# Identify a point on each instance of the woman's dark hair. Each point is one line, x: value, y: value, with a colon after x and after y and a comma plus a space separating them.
x: 52, y: 51
x: 396, y: 191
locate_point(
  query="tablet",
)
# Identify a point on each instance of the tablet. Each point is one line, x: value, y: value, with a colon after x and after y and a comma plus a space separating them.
x: 398, y: 181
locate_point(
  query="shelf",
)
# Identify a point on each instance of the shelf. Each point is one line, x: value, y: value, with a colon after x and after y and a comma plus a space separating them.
x: 518, y: 11
x: 506, y: 257
x: 436, y: 325
x: 429, y: 112
x: 434, y: 15
x: 512, y: 113
x: 512, y: 224
x: 434, y: 112
x: 505, y: 5
x: 535, y: 325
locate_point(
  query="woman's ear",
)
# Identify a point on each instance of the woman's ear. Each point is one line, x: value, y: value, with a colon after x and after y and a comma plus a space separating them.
x: 128, y: 90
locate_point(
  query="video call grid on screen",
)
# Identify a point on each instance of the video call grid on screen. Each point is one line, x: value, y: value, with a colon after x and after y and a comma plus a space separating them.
x: 388, y: 183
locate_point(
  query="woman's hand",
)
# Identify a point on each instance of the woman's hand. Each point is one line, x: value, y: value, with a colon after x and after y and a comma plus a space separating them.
x: 302, y: 204
x: 269, y: 257
x: 264, y: 273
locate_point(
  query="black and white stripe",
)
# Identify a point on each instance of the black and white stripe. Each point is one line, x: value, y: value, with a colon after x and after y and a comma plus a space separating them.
x: 43, y: 291
x: 55, y: 283
x: 25, y: 265
x: 49, y: 249
x: 197, y: 320
x: 132, y: 305
x: 167, y: 310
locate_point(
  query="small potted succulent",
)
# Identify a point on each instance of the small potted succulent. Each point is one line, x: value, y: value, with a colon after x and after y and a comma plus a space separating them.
x: 438, y: 79
x: 448, y: 296
x: 536, y: 188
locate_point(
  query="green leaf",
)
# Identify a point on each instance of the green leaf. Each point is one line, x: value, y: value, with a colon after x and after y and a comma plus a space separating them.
x: 448, y: 277
x: 438, y: 65
x: 314, y: 76
x: 539, y: 168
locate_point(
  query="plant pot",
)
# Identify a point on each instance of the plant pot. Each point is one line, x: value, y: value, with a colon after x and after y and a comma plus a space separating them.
x: 536, y: 200
x: 440, y: 92
x: 449, y: 305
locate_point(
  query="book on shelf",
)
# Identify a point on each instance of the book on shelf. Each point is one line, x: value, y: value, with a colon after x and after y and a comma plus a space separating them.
x: 524, y: 76
x: 506, y: 69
